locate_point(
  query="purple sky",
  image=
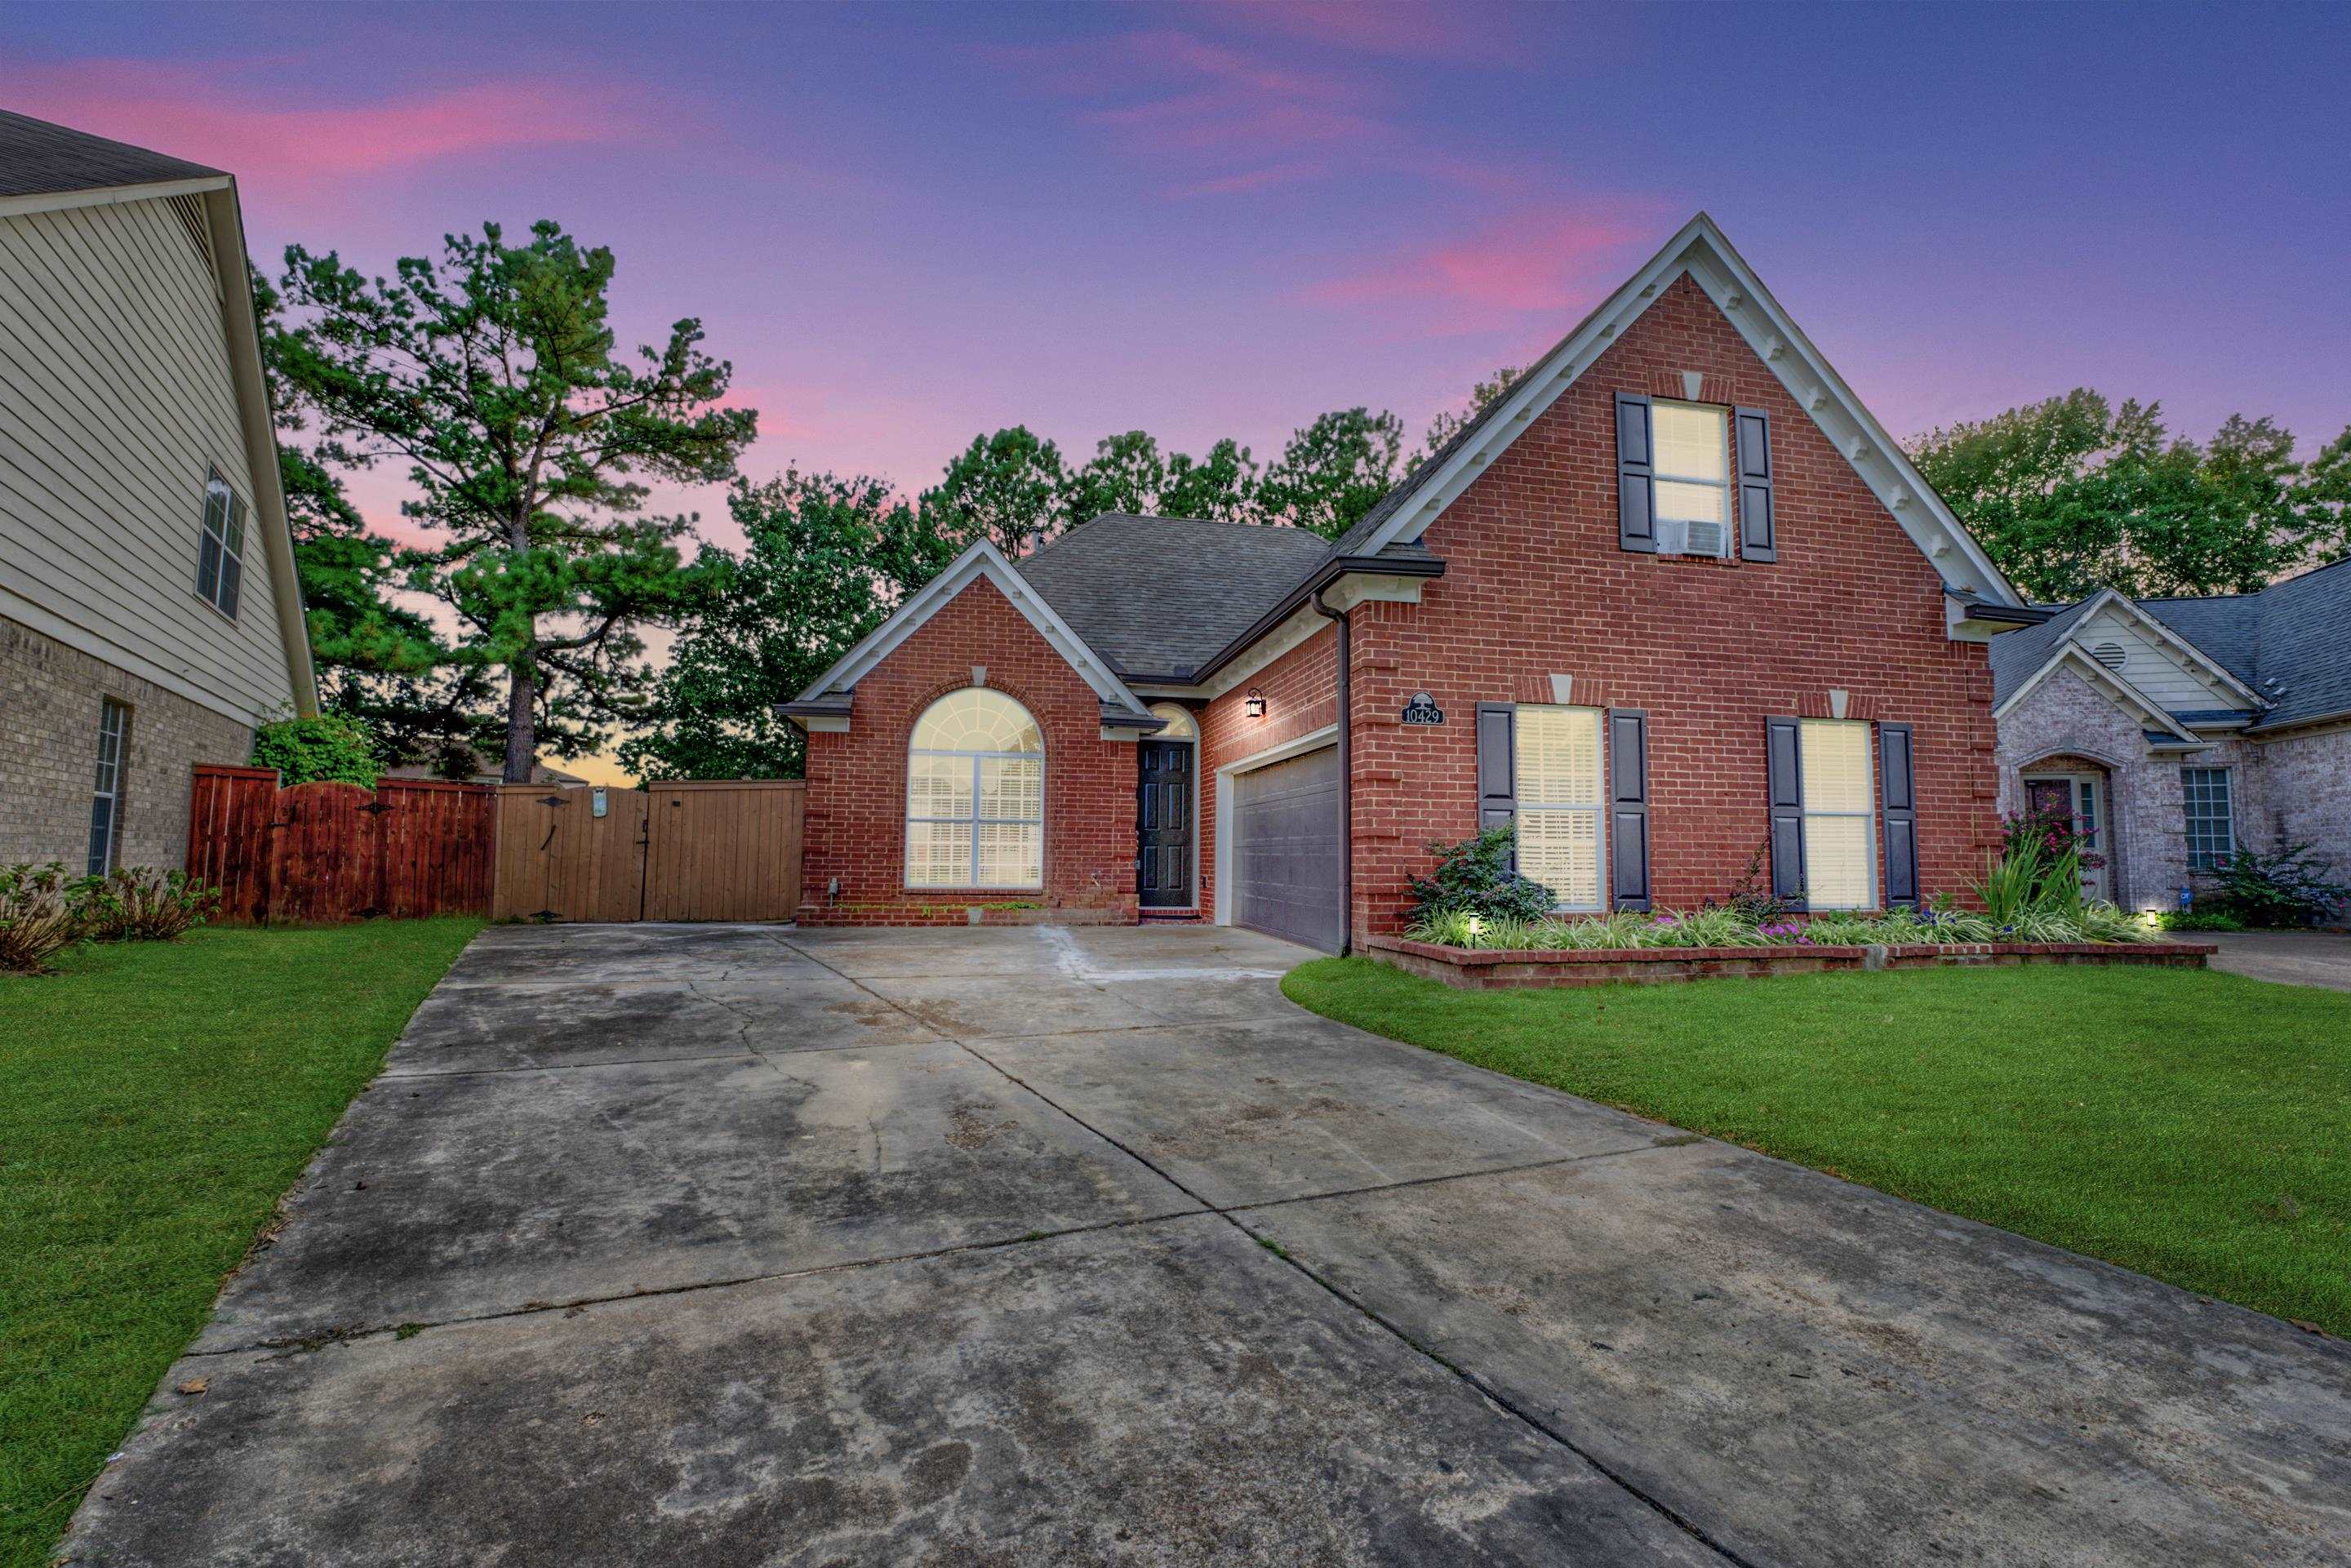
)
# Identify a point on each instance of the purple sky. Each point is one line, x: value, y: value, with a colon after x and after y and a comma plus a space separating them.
x: 907, y: 225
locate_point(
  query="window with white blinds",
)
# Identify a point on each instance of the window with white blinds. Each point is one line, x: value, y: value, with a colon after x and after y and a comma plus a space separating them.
x: 1840, y: 815
x: 1693, y: 461
x: 976, y: 795
x: 1562, y: 839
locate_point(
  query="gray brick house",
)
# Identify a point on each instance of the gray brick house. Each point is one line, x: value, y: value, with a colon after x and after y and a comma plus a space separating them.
x: 149, y: 613
x: 2176, y: 730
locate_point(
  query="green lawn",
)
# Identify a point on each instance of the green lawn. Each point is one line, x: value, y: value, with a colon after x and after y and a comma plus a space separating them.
x: 2184, y: 1124
x: 155, y: 1100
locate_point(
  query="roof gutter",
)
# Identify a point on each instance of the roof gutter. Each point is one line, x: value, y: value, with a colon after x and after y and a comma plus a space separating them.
x: 2011, y: 614
x: 1311, y: 591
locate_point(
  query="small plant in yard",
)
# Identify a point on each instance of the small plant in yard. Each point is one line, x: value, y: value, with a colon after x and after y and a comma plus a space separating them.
x: 310, y: 750
x: 142, y: 903
x: 2198, y: 919
x: 1475, y: 877
x: 37, y: 916
x: 2290, y: 887
x: 1751, y: 899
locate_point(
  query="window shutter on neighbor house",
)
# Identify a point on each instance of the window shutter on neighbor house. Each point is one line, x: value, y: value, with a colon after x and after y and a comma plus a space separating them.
x: 1636, y: 484
x: 1498, y: 790
x: 1786, y: 796
x: 1753, y: 445
x: 1628, y: 807
x: 1894, y: 761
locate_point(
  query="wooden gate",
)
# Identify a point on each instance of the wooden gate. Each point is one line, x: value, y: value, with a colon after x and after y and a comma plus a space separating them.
x: 723, y: 849
x: 338, y: 851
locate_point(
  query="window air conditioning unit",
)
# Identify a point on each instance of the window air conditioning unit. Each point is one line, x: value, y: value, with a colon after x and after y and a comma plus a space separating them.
x: 1679, y: 535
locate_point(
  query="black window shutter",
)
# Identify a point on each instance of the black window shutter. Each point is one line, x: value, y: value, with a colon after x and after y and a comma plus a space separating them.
x: 1756, y: 540
x: 1628, y: 807
x: 1636, y: 484
x: 1498, y: 790
x: 1901, y: 794
x: 1782, y: 740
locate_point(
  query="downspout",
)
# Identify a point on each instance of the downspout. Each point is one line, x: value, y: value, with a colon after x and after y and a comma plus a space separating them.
x: 1346, y: 781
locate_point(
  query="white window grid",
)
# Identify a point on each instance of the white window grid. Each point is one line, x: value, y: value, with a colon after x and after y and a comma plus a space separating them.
x: 220, y: 549
x: 2211, y: 824
x: 975, y: 820
x: 106, y: 799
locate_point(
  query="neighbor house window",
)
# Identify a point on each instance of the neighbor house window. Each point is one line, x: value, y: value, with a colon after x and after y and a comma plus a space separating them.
x: 106, y: 803
x: 1560, y: 838
x: 1840, y: 815
x: 220, y: 553
x: 976, y: 795
x: 2211, y: 829
x: 1692, y: 443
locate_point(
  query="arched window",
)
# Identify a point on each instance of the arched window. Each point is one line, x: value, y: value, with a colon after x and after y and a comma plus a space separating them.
x: 976, y: 795
x: 1179, y: 723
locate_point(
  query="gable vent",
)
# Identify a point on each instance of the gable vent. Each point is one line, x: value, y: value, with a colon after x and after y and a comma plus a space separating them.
x: 2110, y: 655
x: 190, y: 210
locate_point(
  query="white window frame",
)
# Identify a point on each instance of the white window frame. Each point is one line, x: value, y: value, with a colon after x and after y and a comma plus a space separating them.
x: 975, y: 820
x: 114, y: 756
x: 2227, y: 820
x: 1659, y: 477
x: 222, y: 546
x: 1598, y: 806
x: 1873, y: 894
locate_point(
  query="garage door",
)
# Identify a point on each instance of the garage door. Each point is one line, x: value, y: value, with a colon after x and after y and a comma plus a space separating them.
x: 1286, y: 844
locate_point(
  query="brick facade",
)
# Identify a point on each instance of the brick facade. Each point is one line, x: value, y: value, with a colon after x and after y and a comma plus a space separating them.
x: 855, y: 826
x: 49, y: 700
x: 2293, y: 788
x: 1536, y: 585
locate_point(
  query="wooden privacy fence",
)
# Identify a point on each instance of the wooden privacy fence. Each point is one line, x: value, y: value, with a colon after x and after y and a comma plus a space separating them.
x: 340, y: 851
x: 720, y: 850
x: 727, y: 850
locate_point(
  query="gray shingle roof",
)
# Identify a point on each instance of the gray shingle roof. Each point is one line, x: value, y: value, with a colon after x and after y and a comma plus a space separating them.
x: 2291, y: 643
x: 38, y: 158
x: 1159, y: 596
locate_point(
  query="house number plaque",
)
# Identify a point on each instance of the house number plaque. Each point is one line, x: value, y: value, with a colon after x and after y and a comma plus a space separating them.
x: 1423, y: 709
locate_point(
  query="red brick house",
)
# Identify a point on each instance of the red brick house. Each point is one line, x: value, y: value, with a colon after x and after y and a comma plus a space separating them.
x: 1674, y: 598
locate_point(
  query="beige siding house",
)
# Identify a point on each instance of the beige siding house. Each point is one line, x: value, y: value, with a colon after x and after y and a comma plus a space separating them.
x: 149, y: 611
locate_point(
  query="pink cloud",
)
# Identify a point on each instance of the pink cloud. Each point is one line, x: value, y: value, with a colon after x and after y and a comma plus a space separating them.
x: 1540, y: 259
x: 186, y: 110
x: 1416, y: 32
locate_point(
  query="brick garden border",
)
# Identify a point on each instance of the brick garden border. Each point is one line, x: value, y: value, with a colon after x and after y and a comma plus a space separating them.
x: 1483, y: 969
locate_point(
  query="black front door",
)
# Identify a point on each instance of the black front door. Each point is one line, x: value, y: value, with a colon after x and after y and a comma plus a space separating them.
x: 1163, y: 825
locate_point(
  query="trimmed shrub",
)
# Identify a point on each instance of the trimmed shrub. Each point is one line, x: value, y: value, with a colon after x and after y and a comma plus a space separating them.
x: 1475, y: 877
x: 2288, y: 888
x: 309, y: 750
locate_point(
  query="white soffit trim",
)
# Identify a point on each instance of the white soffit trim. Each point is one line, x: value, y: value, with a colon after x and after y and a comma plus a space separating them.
x: 982, y: 559
x: 106, y: 195
x: 2163, y: 636
x: 2151, y: 714
x: 1701, y: 250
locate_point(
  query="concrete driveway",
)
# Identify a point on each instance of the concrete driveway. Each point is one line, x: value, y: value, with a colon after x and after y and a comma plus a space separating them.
x: 2297, y: 957
x: 742, y: 1246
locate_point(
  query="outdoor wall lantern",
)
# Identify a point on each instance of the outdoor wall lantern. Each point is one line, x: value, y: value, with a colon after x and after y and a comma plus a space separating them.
x: 1254, y: 703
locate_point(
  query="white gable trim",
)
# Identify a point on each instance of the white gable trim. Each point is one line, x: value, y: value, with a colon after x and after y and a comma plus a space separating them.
x: 2150, y: 715
x: 107, y: 195
x: 2180, y: 647
x: 1701, y: 251
x: 983, y: 560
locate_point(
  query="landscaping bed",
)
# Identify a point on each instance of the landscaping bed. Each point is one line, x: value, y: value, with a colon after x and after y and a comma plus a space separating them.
x: 1481, y: 967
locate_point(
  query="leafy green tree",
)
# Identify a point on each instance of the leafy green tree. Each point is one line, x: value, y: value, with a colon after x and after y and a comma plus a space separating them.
x: 494, y: 376
x: 1009, y: 487
x: 2071, y: 494
x: 1449, y: 425
x: 306, y: 750
x: 2323, y: 501
x: 820, y: 571
x: 1221, y: 486
x: 1334, y: 471
x: 1126, y: 474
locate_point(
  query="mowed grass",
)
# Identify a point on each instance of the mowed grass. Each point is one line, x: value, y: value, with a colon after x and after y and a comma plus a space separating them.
x: 155, y: 1099
x: 2186, y: 1124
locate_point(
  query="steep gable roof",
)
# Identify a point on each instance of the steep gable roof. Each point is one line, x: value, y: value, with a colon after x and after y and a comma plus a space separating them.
x: 1160, y: 596
x: 2289, y: 644
x: 38, y: 158
x: 1701, y: 251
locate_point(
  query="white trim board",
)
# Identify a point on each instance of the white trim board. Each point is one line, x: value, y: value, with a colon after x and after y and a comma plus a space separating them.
x: 1312, y: 740
x: 2151, y: 715
x: 983, y: 560
x: 1701, y: 250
